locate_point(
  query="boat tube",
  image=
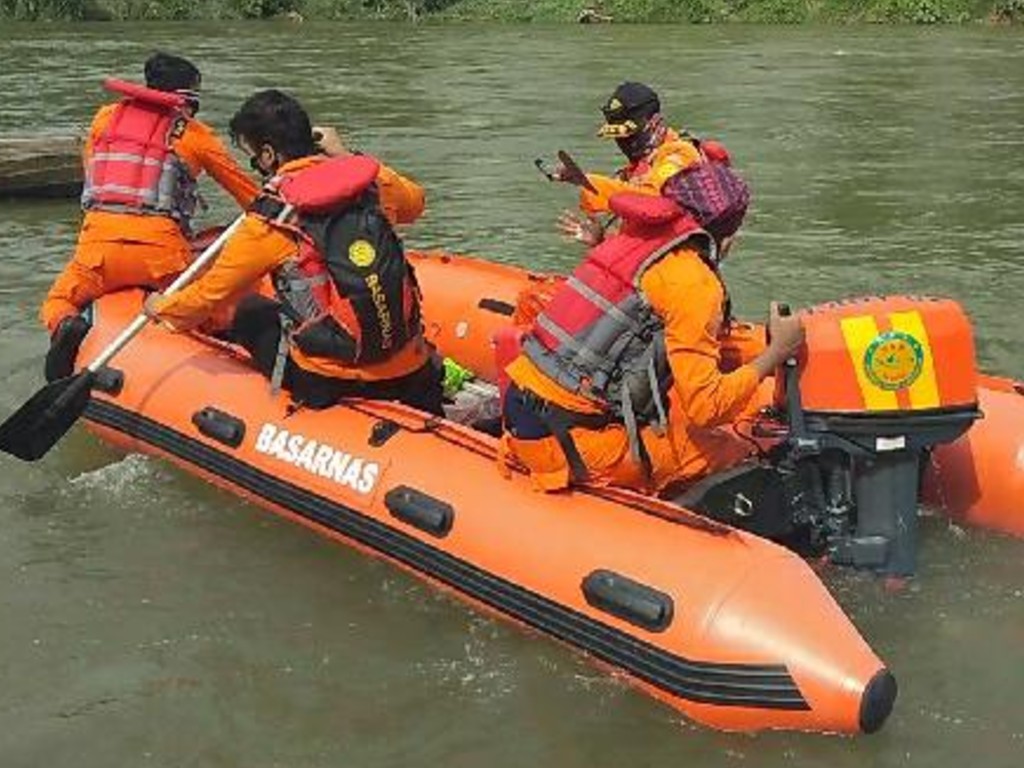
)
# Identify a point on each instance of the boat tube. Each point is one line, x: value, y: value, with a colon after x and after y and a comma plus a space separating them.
x: 731, y: 628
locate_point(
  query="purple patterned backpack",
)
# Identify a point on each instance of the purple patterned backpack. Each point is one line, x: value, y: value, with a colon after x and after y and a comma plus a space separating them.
x: 712, y: 191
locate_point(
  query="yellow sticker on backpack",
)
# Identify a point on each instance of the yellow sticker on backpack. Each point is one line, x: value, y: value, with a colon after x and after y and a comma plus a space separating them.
x: 361, y: 253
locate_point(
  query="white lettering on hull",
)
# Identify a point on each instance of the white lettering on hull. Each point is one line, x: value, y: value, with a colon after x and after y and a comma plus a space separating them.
x: 318, y: 458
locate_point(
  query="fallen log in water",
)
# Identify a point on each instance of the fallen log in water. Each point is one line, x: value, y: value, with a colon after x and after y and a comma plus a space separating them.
x: 48, y: 166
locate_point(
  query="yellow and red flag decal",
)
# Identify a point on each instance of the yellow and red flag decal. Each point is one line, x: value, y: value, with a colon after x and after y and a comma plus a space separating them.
x: 894, y: 366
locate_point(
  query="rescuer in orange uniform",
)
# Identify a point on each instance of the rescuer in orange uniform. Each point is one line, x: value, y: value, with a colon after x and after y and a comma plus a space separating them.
x: 141, y: 239
x: 346, y: 318
x: 654, y: 152
x: 142, y: 158
x: 626, y: 377
x: 401, y: 199
x: 658, y: 158
x: 620, y: 380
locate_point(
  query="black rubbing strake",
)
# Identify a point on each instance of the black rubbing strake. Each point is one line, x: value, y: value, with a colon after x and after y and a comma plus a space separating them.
x: 765, y: 686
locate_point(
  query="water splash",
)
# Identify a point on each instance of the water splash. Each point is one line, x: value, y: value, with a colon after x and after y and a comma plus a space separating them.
x: 482, y: 671
x: 117, y: 479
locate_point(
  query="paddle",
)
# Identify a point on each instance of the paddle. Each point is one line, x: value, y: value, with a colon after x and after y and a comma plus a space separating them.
x: 575, y: 174
x: 37, y: 426
x: 571, y: 172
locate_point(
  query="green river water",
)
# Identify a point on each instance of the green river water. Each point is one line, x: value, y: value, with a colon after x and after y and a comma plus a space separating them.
x: 149, y: 620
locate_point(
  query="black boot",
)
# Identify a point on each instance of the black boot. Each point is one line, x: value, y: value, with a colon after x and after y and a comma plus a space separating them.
x: 64, y: 344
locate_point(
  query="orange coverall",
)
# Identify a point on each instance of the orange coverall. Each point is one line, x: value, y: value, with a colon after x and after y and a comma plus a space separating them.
x: 706, y: 397
x: 255, y: 250
x: 119, y: 250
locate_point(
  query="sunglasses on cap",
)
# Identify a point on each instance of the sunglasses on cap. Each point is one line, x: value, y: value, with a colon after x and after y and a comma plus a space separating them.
x: 621, y: 130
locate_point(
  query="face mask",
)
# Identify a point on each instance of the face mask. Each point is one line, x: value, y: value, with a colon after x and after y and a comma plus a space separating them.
x: 254, y: 163
x: 191, y: 99
x: 634, y: 147
x: 637, y: 146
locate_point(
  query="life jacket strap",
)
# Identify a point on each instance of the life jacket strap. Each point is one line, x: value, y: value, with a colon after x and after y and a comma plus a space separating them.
x: 269, y: 207
x: 283, y: 344
x: 659, y: 404
x: 555, y: 422
x: 637, y: 449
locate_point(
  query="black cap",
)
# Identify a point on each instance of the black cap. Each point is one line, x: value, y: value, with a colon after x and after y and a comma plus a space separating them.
x: 628, y: 109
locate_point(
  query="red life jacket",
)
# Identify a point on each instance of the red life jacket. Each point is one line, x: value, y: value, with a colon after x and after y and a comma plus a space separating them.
x: 598, y: 337
x: 351, y: 294
x: 132, y: 168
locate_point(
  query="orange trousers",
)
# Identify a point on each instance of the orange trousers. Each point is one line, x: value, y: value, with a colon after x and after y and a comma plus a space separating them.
x: 679, y: 454
x: 100, y: 267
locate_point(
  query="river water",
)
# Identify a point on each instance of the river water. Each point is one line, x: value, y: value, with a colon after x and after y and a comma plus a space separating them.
x: 147, y: 619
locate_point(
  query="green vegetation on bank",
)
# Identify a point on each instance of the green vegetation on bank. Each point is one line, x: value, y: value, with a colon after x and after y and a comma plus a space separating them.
x: 620, y: 11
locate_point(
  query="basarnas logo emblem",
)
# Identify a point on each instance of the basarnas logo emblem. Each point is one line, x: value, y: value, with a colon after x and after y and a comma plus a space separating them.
x: 893, y: 360
x: 361, y: 253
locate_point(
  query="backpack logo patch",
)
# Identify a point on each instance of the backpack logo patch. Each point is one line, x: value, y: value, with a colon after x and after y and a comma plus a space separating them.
x: 362, y: 253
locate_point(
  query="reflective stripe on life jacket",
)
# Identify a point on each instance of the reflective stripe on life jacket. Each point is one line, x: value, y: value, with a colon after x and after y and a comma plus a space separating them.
x: 599, y: 337
x: 132, y: 168
x: 350, y: 295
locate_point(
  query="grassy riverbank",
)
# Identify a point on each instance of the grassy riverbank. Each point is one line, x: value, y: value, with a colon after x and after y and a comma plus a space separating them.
x: 620, y: 11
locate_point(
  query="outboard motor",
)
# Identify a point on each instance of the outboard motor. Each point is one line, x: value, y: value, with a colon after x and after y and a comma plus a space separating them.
x: 877, y: 384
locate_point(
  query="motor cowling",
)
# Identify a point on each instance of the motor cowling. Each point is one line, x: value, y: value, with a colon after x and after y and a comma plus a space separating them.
x: 895, y: 356
x: 878, y: 383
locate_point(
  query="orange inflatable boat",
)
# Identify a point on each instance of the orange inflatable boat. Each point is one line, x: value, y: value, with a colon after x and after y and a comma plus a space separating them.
x: 893, y: 373
x: 731, y: 628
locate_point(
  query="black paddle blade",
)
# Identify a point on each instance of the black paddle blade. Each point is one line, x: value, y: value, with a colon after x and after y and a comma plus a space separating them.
x: 575, y: 174
x: 37, y: 426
